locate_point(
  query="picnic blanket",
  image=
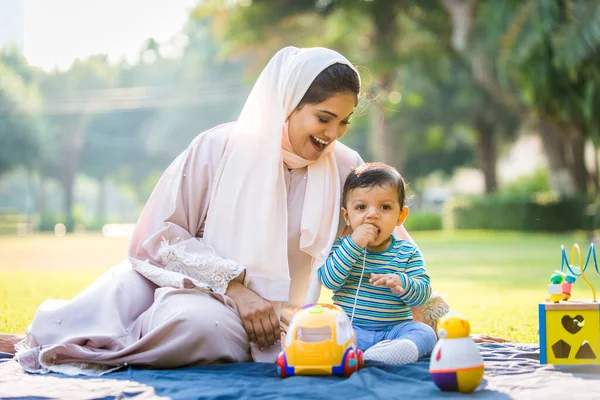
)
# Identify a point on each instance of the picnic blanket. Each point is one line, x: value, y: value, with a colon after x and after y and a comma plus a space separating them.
x: 512, y: 371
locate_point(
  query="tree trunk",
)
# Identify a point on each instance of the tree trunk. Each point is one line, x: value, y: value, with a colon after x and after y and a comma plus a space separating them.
x: 72, y: 143
x: 41, y: 201
x: 381, y: 144
x: 487, y: 153
x: 101, y: 201
x: 31, y: 195
x: 596, y: 174
x: 578, y: 168
x: 461, y: 12
x: 67, y: 186
x: 32, y: 201
x: 555, y: 144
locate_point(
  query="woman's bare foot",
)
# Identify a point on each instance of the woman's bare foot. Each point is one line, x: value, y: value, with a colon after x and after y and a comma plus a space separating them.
x: 8, y: 341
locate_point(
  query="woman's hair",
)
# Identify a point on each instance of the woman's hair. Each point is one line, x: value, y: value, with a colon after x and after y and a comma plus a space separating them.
x: 374, y: 174
x: 337, y: 78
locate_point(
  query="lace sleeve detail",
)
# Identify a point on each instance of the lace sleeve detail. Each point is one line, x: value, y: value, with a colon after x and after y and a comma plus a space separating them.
x: 208, y: 271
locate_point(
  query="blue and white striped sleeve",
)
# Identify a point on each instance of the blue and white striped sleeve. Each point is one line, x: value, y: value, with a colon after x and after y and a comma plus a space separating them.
x: 415, y: 281
x: 337, y: 267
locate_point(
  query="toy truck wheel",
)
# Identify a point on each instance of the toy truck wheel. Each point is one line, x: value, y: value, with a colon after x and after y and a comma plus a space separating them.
x: 361, y: 361
x: 350, y: 363
x: 281, y: 365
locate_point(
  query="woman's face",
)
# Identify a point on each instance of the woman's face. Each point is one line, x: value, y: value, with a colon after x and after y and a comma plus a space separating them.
x: 313, y: 127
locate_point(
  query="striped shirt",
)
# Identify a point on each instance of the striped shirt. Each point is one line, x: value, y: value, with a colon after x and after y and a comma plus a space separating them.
x: 376, y: 305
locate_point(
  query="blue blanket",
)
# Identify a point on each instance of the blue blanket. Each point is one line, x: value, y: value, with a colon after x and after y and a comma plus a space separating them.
x: 512, y: 372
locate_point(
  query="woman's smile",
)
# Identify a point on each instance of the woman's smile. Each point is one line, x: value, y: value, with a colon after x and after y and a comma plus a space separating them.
x: 318, y: 143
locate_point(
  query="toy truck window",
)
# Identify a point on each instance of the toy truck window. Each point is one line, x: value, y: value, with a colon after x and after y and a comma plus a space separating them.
x: 314, y: 335
x: 344, y: 332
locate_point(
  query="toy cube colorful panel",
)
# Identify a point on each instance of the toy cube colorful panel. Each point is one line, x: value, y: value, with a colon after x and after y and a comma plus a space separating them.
x: 569, y: 332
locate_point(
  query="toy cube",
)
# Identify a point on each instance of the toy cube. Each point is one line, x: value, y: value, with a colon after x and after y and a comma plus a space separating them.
x: 569, y: 332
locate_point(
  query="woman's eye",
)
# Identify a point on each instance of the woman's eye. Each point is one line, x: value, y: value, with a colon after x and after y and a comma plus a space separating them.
x: 345, y: 122
x: 323, y: 120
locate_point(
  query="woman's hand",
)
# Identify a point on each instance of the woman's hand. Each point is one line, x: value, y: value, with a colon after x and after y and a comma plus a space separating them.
x: 257, y: 314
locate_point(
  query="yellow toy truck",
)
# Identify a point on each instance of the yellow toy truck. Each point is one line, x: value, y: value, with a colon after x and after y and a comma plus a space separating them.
x: 319, y: 341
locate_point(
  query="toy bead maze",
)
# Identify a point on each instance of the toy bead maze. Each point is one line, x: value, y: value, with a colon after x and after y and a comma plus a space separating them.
x: 570, y: 329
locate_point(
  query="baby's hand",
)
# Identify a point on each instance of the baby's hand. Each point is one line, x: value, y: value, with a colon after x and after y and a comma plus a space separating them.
x: 392, y: 281
x: 364, y: 234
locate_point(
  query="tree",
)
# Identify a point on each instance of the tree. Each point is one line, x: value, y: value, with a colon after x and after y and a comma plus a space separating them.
x: 18, y: 140
x: 448, y: 122
x: 394, y: 38
x: 19, y: 112
x: 453, y: 107
x: 546, y: 67
x: 265, y: 25
x: 67, y: 127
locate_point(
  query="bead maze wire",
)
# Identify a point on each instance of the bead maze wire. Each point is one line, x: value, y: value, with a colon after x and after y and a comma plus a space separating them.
x: 591, y: 254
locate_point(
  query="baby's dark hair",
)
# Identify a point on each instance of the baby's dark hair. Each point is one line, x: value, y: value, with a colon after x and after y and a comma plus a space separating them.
x: 337, y: 78
x: 374, y: 174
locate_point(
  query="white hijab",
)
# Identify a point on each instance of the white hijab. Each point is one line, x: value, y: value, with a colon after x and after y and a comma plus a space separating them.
x: 247, y: 217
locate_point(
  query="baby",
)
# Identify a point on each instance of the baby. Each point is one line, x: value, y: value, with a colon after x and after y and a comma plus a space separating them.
x: 376, y: 277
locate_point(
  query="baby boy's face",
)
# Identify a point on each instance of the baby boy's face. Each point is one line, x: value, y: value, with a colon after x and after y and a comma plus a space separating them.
x: 378, y: 206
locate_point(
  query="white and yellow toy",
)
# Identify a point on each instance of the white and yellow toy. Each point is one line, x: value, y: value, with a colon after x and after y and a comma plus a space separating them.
x: 319, y: 341
x: 456, y: 364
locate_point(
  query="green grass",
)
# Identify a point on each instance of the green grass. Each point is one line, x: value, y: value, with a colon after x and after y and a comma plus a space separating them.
x: 495, y: 279
x: 35, y: 268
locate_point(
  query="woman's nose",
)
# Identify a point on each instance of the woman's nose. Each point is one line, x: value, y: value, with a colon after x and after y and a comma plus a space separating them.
x: 332, y: 133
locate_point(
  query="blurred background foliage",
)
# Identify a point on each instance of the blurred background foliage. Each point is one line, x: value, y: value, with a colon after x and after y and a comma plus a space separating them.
x: 486, y: 107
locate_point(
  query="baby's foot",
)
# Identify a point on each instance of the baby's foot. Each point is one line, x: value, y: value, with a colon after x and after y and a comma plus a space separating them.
x: 401, y: 351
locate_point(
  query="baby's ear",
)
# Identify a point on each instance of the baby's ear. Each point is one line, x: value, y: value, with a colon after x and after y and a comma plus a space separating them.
x: 402, y: 216
x: 345, y: 215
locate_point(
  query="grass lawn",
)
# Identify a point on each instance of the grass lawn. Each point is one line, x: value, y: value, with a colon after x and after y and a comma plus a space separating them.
x: 495, y: 279
x: 35, y: 268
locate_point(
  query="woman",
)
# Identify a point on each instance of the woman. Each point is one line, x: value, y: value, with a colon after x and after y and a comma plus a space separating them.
x: 227, y: 246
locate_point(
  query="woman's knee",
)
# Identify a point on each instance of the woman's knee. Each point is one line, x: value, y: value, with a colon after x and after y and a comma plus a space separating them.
x: 109, y: 306
x: 197, y: 324
x: 205, y: 324
x: 121, y: 287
